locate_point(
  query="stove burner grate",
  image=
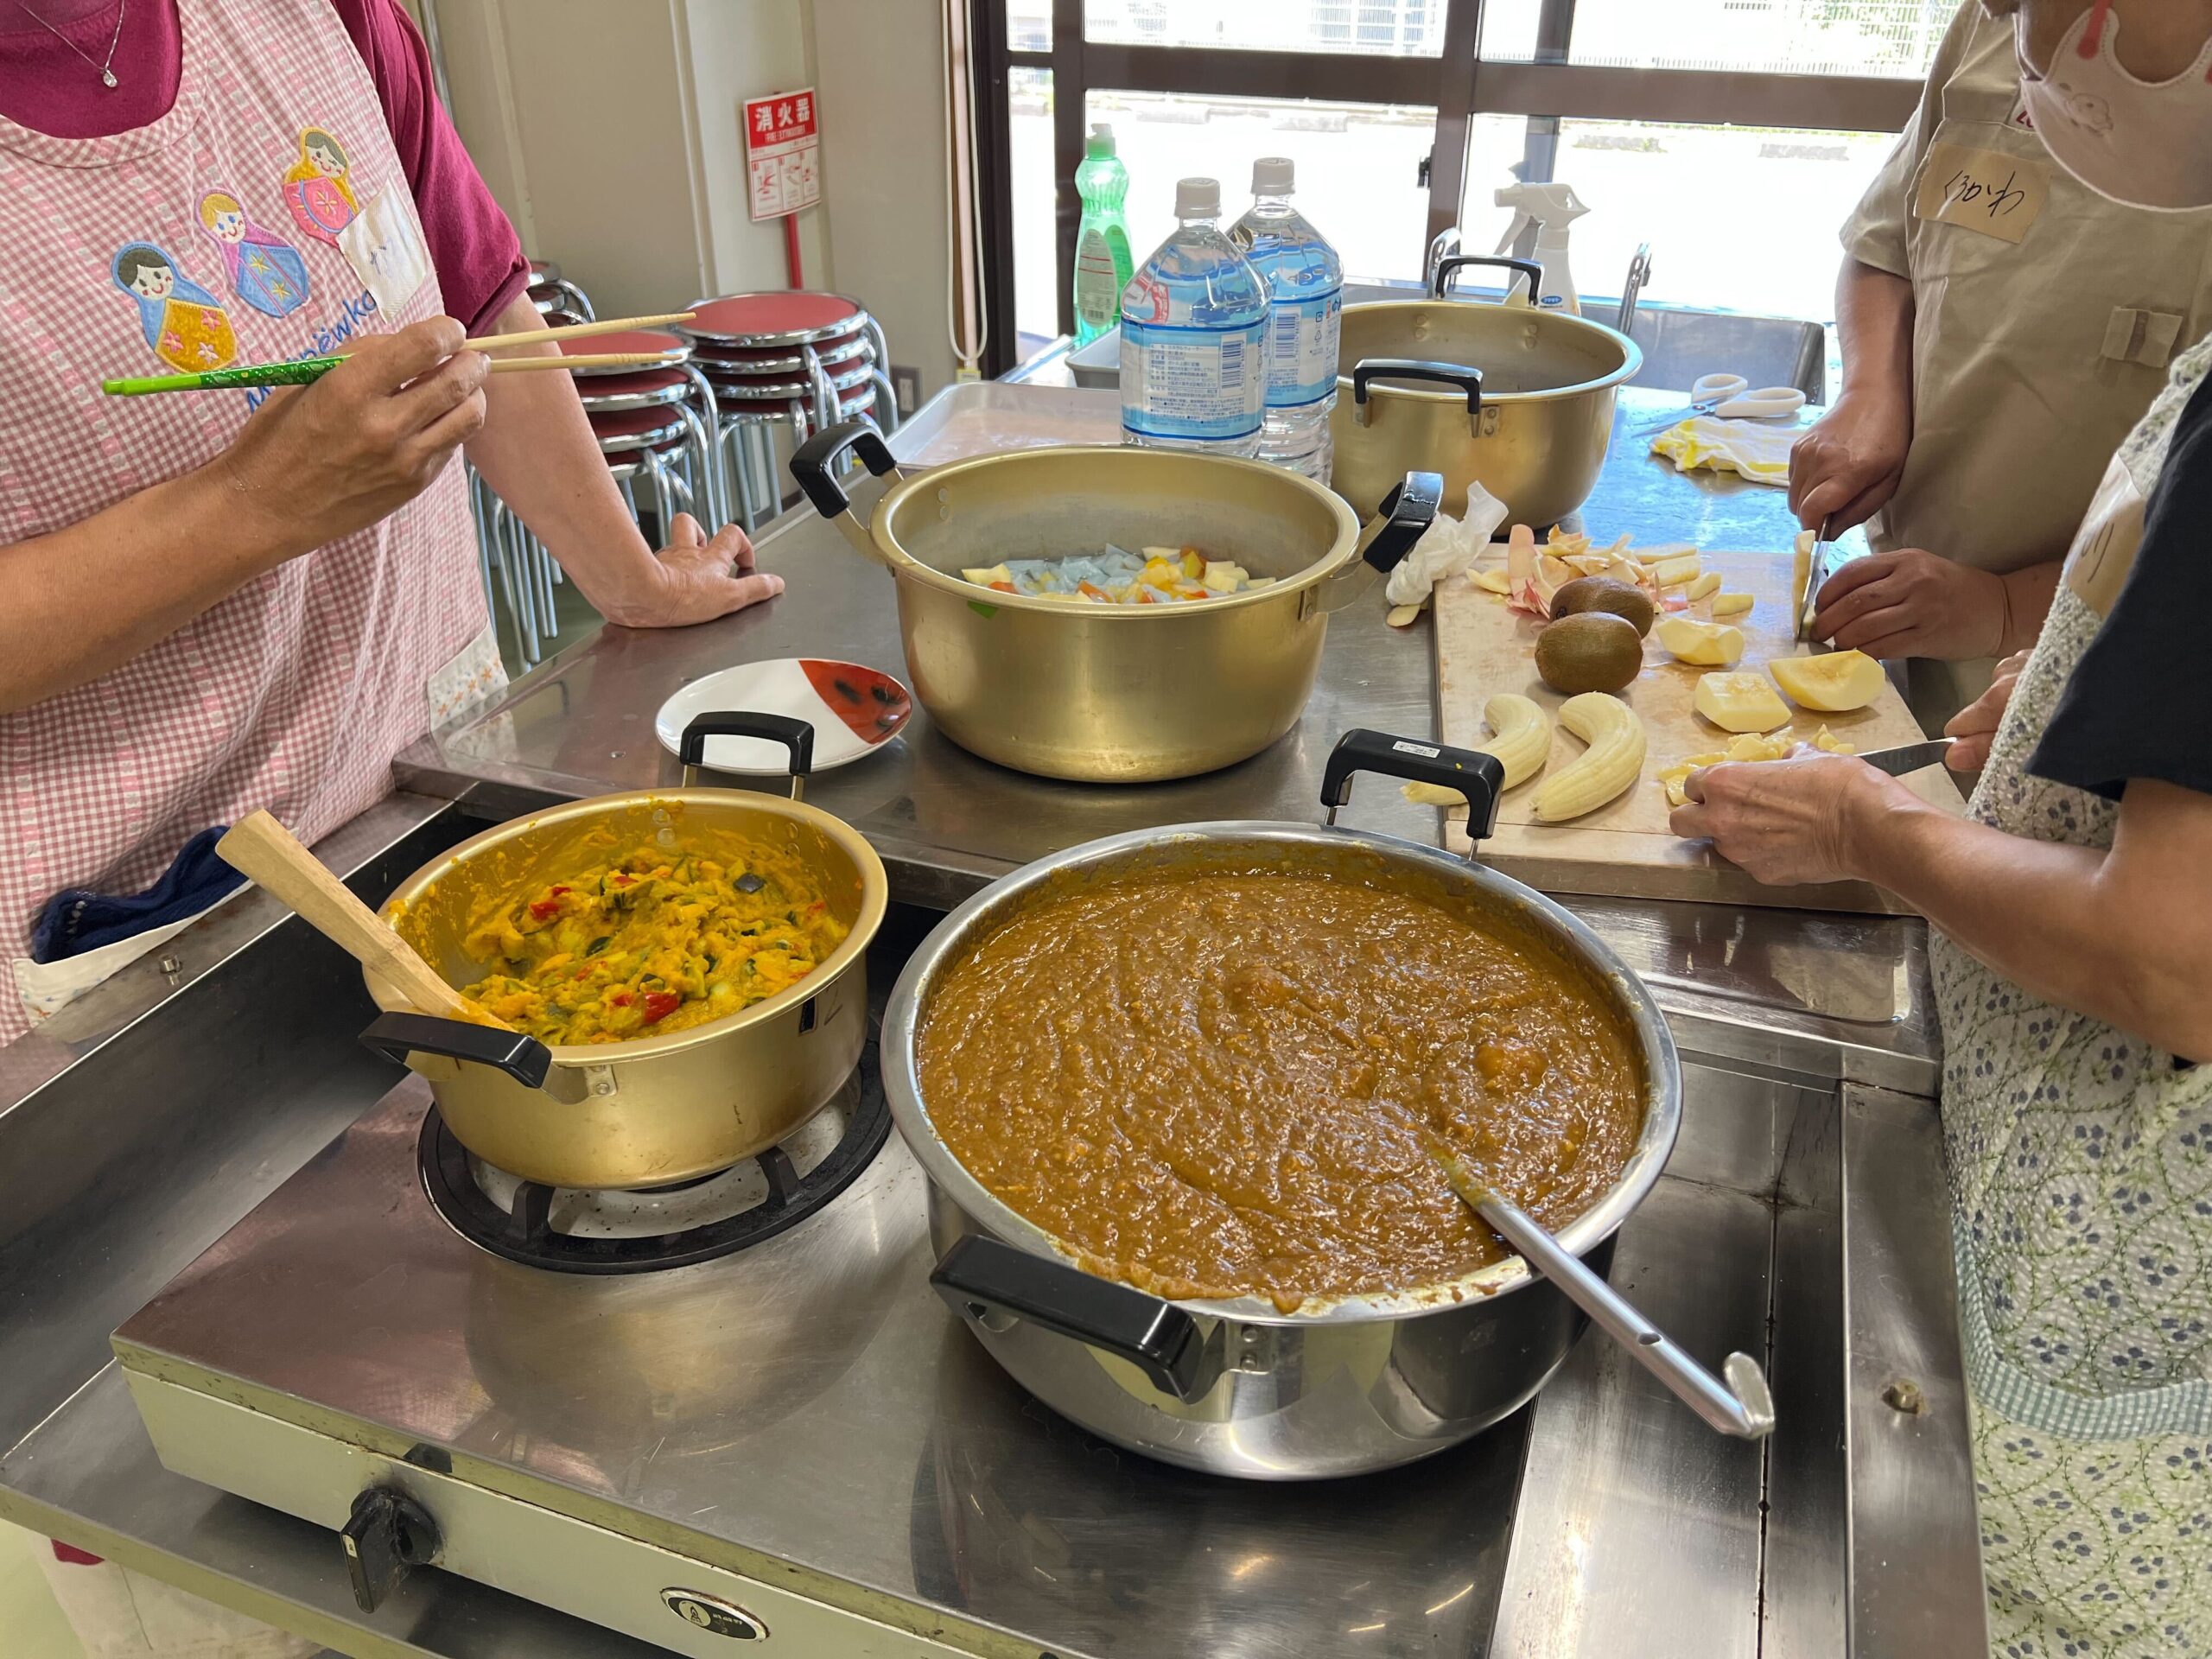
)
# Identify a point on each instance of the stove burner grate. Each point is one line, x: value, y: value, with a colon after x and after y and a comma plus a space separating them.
x: 573, y: 1231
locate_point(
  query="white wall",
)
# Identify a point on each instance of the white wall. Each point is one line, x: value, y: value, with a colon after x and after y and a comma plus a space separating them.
x: 610, y: 130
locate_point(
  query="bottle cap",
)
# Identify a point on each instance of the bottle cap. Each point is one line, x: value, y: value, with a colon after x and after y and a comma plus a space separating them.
x: 1101, y: 139
x: 1273, y: 175
x: 1198, y: 198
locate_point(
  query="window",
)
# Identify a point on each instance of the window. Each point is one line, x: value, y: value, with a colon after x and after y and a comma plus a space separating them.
x: 1406, y: 116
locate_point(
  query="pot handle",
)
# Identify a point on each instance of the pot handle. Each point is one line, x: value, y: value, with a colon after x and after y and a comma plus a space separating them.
x: 816, y: 463
x: 979, y: 1276
x: 523, y: 1057
x: 1440, y: 279
x: 796, y: 735
x: 1480, y: 777
x: 1467, y: 379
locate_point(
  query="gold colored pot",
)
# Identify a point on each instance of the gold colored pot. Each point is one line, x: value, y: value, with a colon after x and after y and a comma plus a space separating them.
x: 651, y: 1110
x: 1516, y: 398
x: 1109, y: 693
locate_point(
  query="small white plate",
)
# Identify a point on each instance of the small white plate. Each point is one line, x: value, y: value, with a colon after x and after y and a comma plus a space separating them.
x: 853, y: 710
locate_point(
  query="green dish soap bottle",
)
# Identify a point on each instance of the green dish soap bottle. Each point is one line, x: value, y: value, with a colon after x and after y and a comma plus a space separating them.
x: 1102, y: 264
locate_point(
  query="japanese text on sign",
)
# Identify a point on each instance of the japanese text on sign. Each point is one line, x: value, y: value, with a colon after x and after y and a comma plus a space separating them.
x: 782, y: 149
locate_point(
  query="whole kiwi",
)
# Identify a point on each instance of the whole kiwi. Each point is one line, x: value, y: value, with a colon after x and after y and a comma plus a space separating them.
x: 1611, y: 593
x: 1595, y: 651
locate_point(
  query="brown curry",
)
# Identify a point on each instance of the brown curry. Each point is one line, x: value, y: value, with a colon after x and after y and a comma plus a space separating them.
x: 1223, y: 1083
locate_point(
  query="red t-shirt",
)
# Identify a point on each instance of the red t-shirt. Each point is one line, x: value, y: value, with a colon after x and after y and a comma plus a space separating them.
x: 48, y: 88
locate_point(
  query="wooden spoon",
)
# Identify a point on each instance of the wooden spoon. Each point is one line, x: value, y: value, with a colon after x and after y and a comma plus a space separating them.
x: 259, y: 847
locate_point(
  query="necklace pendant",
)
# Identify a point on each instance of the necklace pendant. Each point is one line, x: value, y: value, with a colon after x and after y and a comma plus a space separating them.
x: 107, y: 78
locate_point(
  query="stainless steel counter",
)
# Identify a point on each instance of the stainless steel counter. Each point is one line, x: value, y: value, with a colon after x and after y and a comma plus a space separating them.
x: 1808, y: 1203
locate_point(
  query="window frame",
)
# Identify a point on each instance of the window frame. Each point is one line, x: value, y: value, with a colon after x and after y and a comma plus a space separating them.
x: 1458, y: 83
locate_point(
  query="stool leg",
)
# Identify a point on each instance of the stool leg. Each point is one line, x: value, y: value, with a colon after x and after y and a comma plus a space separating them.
x: 709, y: 412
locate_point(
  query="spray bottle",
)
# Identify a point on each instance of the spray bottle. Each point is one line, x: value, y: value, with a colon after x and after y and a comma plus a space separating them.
x: 1551, y: 208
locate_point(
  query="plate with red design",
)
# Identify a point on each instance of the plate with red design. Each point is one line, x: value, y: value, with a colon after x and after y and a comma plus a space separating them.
x: 854, y: 710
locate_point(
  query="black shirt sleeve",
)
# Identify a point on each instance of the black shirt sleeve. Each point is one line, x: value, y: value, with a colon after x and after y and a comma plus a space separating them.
x: 2139, y: 702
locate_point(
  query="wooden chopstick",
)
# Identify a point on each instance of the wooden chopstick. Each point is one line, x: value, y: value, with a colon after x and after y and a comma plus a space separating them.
x: 575, y: 331
x: 303, y: 372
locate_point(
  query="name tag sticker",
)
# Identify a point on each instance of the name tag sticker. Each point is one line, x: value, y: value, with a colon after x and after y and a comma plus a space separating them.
x: 2104, y: 550
x: 386, y: 251
x: 1982, y: 190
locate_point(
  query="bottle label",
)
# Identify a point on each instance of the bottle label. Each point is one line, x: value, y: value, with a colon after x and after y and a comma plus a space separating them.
x: 1181, y: 381
x: 1097, y: 284
x: 1302, y: 349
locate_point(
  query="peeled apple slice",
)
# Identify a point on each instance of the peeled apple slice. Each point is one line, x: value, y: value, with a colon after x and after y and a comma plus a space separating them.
x: 1612, y: 762
x: 1739, y: 703
x: 1676, y: 572
x: 1708, y: 583
x: 1704, y: 645
x: 1675, y: 779
x: 1731, y: 604
x: 1491, y: 581
x: 1834, y: 683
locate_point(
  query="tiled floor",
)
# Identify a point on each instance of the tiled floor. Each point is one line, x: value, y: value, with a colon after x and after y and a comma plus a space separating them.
x: 32, y: 1624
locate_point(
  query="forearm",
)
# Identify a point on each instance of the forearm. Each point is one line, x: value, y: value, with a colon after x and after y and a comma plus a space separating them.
x: 1874, y: 321
x: 2028, y: 593
x: 83, y: 601
x: 537, y: 452
x: 2045, y: 915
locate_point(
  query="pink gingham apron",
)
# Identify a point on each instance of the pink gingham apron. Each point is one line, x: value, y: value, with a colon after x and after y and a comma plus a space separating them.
x: 295, y: 692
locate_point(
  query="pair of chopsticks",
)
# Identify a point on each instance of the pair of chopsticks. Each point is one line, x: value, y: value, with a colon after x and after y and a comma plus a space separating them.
x: 301, y: 372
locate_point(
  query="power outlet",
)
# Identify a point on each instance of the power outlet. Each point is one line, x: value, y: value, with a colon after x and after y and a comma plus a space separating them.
x: 907, y: 383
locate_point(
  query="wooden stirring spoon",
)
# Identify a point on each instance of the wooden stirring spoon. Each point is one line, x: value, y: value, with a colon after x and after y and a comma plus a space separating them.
x: 259, y: 847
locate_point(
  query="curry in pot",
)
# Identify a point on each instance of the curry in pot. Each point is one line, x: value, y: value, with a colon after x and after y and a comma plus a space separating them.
x: 1223, y: 1083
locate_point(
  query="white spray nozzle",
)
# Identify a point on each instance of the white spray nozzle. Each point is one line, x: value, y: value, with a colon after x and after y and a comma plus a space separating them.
x: 1547, y: 204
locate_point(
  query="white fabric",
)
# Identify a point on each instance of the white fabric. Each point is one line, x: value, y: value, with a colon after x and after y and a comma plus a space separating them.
x: 1447, y: 548
x: 119, y: 1614
x: 2146, y: 143
x: 1756, y: 449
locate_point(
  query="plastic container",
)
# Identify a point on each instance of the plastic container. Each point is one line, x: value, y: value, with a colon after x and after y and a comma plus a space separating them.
x: 1103, y: 264
x: 1194, y: 324
x: 1551, y: 209
x: 1304, y: 281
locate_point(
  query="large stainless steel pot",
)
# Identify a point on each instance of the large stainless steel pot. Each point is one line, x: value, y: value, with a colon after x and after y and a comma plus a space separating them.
x: 1529, y: 411
x: 1111, y: 693
x: 651, y: 1110
x: 1238, y: 1387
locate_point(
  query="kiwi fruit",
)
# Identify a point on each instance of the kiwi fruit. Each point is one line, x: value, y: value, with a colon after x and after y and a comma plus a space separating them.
x: 1594, y: 650
x: 1609, y: 593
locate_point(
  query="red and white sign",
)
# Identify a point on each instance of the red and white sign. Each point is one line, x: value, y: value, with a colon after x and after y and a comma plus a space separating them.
x: 783, y: 153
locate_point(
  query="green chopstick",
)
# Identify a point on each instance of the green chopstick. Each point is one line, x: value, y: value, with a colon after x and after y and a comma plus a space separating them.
x: 297, y: 373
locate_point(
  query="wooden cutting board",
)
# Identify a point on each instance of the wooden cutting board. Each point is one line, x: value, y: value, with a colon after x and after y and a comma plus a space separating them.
x: 1624, y: 847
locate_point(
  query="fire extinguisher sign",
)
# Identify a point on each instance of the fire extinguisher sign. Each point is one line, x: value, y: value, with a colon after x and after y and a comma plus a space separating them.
x: 783, y: 153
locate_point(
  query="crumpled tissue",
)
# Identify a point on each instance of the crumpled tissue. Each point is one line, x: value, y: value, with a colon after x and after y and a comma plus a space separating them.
x: 1448, y: 549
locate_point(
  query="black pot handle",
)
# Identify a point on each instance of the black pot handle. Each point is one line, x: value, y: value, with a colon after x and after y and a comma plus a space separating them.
x: 395, y: 1036
x: 1407, y: 511
x: 796, y: 735
x: 1480, y: 777
x: 980, y: 1275
x: 817, y: 462
x: 1440, y: 279
x: 1469, y: 380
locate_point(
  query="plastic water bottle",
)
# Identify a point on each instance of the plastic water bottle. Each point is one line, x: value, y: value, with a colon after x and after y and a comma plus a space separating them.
x: 1194, y: 324
x: 1102, y: 262
x: 1306, y: 282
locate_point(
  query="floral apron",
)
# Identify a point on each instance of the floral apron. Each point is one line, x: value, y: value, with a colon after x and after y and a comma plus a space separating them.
x: 2081, y: 1168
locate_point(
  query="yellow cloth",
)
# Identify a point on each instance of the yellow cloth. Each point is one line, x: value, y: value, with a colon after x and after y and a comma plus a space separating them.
x: 1756, y: 449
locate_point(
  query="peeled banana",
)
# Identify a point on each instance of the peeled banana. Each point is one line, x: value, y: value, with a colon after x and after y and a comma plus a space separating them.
x: 1521, y: 735
x: 1610, y: 764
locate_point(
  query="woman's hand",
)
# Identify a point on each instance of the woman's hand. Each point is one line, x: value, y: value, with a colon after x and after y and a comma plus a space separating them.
x: 1846, y: 467
x: 1787, y: 822
x: 695, y: 580
x: 1975, y: 726
x: 320, y: 462
x: 1912, y: 603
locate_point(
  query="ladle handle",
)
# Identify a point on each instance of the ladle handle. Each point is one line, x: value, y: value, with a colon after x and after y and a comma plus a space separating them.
x: 1741, y: 1406
x: 259, y: 847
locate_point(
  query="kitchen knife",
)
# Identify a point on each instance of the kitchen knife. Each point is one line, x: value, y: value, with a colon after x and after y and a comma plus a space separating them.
x: 1909, y: 758
x: 1823, y: 559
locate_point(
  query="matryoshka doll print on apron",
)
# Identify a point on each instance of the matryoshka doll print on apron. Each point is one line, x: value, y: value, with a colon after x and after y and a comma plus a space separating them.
x: 176, y: 247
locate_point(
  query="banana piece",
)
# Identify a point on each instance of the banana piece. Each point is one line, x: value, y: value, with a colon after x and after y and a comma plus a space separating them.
x: 1611, y: 763
x: 1521, y: 738
x: 1522, y: 735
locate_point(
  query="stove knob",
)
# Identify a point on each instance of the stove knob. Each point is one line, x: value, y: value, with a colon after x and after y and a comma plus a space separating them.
x: 388, y: 1533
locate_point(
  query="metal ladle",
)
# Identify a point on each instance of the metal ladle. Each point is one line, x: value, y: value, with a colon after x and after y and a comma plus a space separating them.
x: 1741, y: 1406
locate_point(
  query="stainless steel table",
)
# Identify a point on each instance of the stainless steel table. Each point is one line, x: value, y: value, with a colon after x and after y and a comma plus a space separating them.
x: 1803, y: 1218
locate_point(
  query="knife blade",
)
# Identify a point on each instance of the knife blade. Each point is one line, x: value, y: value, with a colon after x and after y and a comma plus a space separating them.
x: 1823, y: 559
x: 1910, y: 757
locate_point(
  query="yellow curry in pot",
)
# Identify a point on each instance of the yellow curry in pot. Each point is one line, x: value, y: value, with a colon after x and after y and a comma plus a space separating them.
x: 651, y: 942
